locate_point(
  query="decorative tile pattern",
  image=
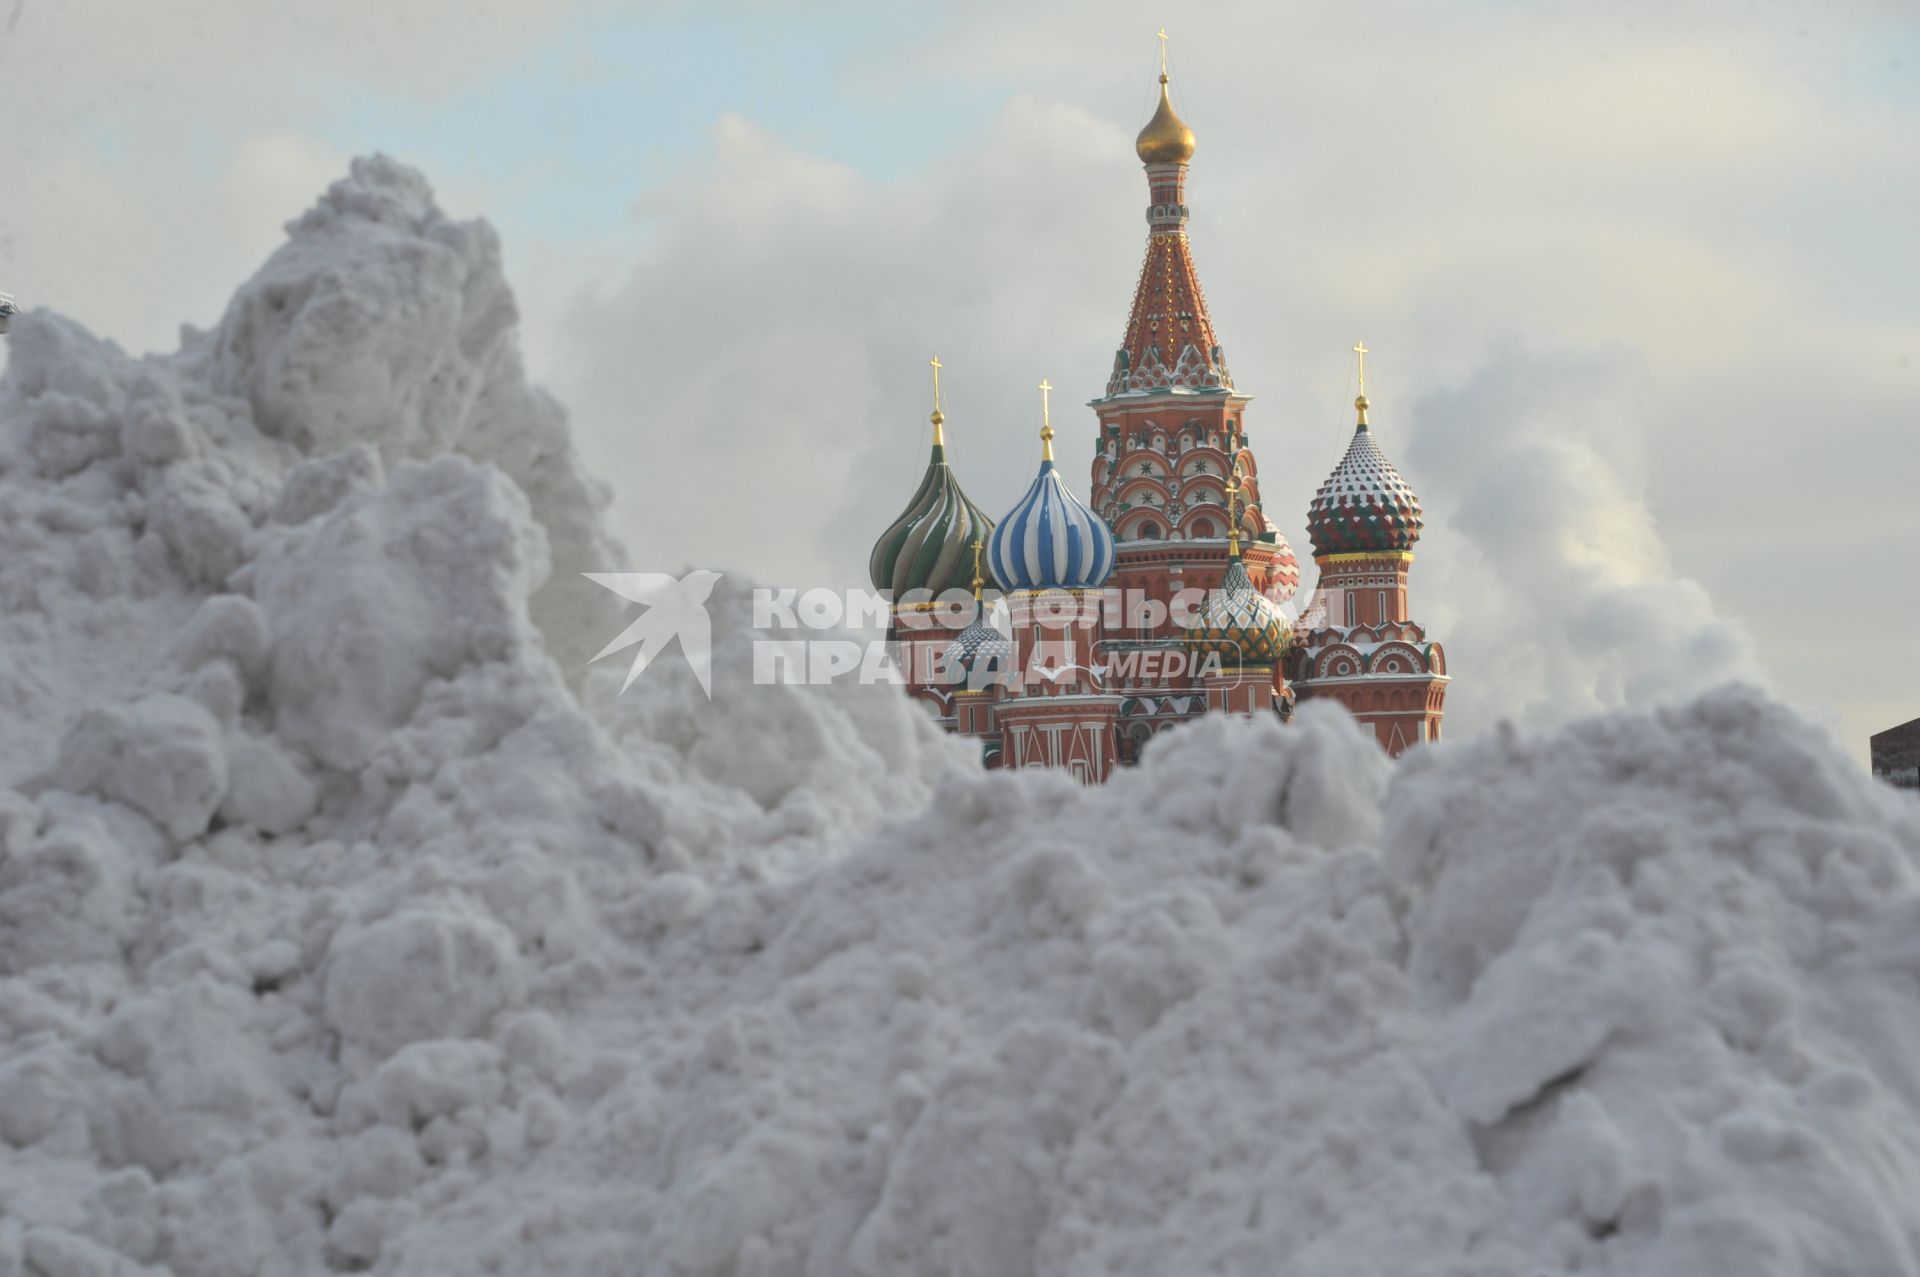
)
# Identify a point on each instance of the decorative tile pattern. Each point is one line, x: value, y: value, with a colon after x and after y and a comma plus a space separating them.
x: 1364, y: 506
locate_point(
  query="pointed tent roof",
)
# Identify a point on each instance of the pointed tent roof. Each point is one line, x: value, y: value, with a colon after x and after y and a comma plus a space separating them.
x: 1170, y: 340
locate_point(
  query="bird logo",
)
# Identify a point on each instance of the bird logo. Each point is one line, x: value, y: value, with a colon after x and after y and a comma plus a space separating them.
x: 676, y: 609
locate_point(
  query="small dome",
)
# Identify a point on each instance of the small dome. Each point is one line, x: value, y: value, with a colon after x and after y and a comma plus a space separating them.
x: 979, y: 654
x: 1049, y: 541
x: 1166, y: 139
x: 1239, y: 624
x: 1364, y: 507
x: 930, y: 546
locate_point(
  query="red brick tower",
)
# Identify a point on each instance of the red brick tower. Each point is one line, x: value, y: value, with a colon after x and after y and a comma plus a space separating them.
x: 1172, y: 438
x: 1359, y: 646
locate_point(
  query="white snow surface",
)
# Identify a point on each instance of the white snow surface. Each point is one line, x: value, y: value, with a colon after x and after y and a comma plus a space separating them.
x: 345, y: 925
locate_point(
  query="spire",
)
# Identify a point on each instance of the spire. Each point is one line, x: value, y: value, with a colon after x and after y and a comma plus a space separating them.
x: 939, y: 418
x: 979, y: 544
x: 1169, y: 342
x: 1046, y: 425
x: 1233, y: 516
x: 1360, y: 401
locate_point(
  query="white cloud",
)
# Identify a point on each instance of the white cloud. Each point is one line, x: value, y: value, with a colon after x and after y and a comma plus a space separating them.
x: 1543, y: 570
x: 1633, y: 189
x: 756, y: 388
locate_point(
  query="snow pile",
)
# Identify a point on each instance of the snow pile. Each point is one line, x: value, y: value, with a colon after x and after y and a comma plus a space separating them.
x: 337, y: 933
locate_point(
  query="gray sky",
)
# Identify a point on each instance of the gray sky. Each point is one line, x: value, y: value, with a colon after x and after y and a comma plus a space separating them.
x: 1640, y: 280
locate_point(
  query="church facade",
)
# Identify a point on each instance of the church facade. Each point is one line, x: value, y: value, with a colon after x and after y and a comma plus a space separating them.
x: 1067, y: 633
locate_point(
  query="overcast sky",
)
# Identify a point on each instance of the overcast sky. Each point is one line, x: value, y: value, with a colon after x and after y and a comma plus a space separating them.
x: 1642, y: 282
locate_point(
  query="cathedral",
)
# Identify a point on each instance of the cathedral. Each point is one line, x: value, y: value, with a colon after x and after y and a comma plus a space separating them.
x: 1162, y: 596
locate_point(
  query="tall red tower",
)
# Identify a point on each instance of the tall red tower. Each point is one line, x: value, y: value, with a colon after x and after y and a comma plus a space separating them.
x: 1172, y: 442
x: 1360, y: 648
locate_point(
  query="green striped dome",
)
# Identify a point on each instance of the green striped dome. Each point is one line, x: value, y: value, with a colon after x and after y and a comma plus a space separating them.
x: 930, y: 546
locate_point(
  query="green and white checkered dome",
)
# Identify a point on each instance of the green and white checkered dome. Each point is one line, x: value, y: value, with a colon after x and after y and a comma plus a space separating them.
x: 1364, y: 506
x: 1239, y: 624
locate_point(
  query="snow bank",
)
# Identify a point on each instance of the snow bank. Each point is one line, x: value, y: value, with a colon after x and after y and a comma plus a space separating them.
x: 346, y: 926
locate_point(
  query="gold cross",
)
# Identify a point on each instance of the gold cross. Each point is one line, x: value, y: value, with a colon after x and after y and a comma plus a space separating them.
x: 1163, y: 50
x: 1046, y: 425
x: 1233, y: 515
x: 938, y: 418
x: 978, y: 580
x: 1360, y: 349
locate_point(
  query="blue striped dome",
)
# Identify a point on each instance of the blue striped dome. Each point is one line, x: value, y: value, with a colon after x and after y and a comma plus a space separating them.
x: 1049, y: 541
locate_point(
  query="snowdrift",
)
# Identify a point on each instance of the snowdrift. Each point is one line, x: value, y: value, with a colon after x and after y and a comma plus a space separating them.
x: 347, y: 925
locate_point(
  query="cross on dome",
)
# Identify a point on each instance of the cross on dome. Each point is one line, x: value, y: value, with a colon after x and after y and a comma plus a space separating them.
x: 1360, y: 401
x: 939, y: 418
x: 1166, y: 139
x: 1046, y: 423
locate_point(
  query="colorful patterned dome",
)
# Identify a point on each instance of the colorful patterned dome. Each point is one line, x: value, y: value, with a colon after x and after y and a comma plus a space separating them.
x: 979, y: 652
x: 1364, y: 507
x: 929, y: 547
x: 1239, y: 624
x: 1049, y: 541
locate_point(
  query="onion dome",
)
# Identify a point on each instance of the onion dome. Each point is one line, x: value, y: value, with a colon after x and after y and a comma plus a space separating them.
x: 927, y: 548
x: 1239, y: 624
x: 1166, y: 139
x: 1049, y: 540
x: 1364, y: 507
x: 980, y: 652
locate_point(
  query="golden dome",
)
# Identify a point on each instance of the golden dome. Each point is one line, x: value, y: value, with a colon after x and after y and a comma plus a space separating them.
x: 1166, y: 139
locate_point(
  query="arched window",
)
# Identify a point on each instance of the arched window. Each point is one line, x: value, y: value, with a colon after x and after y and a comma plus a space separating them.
x: 1203, y: 527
